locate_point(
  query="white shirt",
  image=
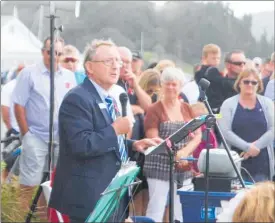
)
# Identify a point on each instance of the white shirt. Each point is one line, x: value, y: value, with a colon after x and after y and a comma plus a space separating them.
x: 191, y: 91
x: 6, y: 100
x: 115, y: 91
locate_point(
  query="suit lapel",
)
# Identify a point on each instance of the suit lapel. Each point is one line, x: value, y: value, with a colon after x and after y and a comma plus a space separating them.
x: 90, y: 87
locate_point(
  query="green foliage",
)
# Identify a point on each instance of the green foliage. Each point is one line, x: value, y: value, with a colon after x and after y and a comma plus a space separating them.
x: 3, y: 165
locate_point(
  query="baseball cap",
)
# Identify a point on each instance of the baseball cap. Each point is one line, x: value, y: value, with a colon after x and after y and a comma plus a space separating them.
x: 137, y: 55
x: 257, y: 60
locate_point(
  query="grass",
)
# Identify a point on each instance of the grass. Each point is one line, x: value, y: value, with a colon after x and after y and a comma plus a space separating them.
x: 11, y: 209
x: 10, y: 206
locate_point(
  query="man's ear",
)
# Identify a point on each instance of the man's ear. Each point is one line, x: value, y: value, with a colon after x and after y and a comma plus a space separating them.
x: 89, y: 67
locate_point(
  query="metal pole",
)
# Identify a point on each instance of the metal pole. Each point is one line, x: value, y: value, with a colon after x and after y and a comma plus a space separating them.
x: 171, y: 186
x: 52, y: 71
x: 40, y: 27
x: 141, y: 42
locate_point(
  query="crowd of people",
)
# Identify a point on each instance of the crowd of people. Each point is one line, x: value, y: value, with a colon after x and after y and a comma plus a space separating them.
x: 89, y: 130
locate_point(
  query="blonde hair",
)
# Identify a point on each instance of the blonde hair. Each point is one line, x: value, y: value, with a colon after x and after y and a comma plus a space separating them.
x: 164, y: 64
x: 200, y: 106
x: 247, y: 72
x: 71, y: 50
x: 148, y: 77
x: 258, y: 204
x: 210, y: 49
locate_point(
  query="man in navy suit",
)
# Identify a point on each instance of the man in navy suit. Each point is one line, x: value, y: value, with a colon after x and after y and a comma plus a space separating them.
x: 90, y: 152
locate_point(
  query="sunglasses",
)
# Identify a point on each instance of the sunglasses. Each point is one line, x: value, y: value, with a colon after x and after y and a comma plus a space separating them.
x: 56, y: 53
x: 247, y: 82
x: 238, y: 63
x: 69, y: 59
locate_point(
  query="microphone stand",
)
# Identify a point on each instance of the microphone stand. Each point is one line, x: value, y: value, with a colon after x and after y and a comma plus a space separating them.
x: 209, y: 123
x: 172, y: 160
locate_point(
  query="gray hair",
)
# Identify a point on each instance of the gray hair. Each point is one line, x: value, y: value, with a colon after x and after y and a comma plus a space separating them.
x: 126, y: 50
x: 172, y: 74
x: 71, y: 50
x: 91, y: 48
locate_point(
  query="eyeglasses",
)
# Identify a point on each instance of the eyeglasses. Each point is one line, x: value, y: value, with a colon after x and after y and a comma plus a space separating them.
x: 109, y: 62
x: 56, y: 53
x: 247, y: 82
x: 237, y: 63
x: 126, y: 63
x: 69, y: 59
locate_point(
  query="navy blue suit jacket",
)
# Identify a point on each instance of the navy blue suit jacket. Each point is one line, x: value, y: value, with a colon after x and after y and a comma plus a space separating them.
x: 89, y: 155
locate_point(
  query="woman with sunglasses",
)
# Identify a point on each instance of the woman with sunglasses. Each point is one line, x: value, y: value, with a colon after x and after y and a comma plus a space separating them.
x: 150, y: 83
x: 248, y: 126
x: 70, y: 61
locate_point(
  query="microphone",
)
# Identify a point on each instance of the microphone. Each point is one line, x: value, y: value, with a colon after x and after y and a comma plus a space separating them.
x: 123, y: 98
x: 204, y: 84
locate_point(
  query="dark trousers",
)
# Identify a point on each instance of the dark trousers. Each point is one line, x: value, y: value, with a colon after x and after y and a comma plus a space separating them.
x: 76, y: 220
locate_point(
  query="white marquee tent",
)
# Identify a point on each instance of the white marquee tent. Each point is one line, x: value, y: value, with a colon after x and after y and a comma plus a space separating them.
x: 18, y: 44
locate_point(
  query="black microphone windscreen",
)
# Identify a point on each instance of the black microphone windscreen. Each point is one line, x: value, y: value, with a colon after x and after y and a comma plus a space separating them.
x: 123, y: 98
x: 204, y: 84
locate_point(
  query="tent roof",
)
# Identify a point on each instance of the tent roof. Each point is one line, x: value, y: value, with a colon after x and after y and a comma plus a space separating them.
x: 5, y: 20
x: 16, y: 37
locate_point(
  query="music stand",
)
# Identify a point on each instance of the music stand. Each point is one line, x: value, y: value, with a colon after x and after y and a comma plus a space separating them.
x: 111, y: 197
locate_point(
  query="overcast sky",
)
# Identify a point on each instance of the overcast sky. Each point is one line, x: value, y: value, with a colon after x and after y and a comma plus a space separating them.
x: 242, y: 7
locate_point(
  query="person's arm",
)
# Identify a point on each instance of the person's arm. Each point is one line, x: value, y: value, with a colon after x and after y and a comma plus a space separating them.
x: 191, y: 145
x: 136, y: 109
x: 144, y: 99
x: 20, y: 98
x: 225, y: 124
x: 151, y: 123
x: 269, y: 92
x: 213, y: 75
x: 20, y: 115
x: 266, y: 138
x: 5, y: 110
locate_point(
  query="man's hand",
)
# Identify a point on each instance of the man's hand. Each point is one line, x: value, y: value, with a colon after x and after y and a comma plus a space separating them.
x: 122, y: 125
x: 143, y: 144
x: 131, y: 79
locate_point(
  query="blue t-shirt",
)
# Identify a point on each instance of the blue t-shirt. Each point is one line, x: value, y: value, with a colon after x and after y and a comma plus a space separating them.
x: 79, y: 76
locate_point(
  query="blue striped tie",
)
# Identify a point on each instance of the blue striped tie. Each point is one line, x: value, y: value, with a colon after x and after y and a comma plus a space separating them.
x: 111, y: 109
